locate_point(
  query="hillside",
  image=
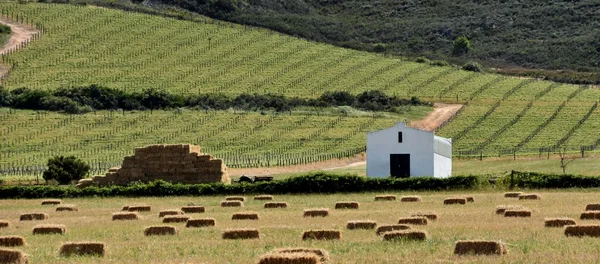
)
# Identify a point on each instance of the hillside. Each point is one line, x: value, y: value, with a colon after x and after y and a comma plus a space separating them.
x: 83, y: 45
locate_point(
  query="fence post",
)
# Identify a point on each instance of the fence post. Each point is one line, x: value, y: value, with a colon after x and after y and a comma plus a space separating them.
x: 582, y: 152
x: 514, y: 154
x: 481, y: 155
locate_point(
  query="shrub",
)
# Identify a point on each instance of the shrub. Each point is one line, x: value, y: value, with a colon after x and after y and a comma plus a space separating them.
x: 472, y: 66
x: 4, y: 29
x: 423, y: 60
x: 461, y: 46
x: 66, y: 169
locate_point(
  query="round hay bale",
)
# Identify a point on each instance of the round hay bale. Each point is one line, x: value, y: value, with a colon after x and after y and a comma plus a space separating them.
x: 67, y: 208
x: 82, y: 248
x: 12, y: 241
x: 410, y: 199
x: 289, y: 258
x: 346, y: 205
x: 517, y: 213
x: 125, y: 216
x: 387, y: 228
x: 385, y: 197
x: 413, y: 220
x: 49, y: 229
x: 51, y: 202
x: 319, y: 212
x: 455, y: 201
x: 164, y: 213
x: 405, y: 235
x: 4, y: 224
x: 245, y: 216
x: 201, y: 222
x: 582, y: 230
x: 558, y: 222
x: 590, y: 215
x: 33, y: 216
x: 530, y: 196
x: 235, y: 198
x: 13, y: 256
x: 500, y: 209
x: 191, y: 209
x: 176, y: 219
x: 593, y: 207
x: 361, y: 224
x: 429, y: 215
x: 480, y: 247
x: 276, y: 205
x: 322, y: 235
x: 241, y: 234
x: 139, y: 208
x: 512, y: 194
x: 160, y: 230
x: 232, y: 204
x: 322, y: 254
x: 263, y: 197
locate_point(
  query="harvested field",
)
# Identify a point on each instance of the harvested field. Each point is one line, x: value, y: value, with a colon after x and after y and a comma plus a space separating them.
x: 346, y: 205
x: 480, y: 247
x: 410, y: 234
x: 512, y: 194
x: 517, y: 213
x: 164, y: 213
x: 49, y: 229
x: 263, y: 197
x: 33, y: 216
x: 241, y: 234
x: 82, y: 248
x: 12, y: 241
x: 413, y: 220
x: 321, y: 212
x: 245, y: 216
x: 13, y: 256
x: 558, y: 222
x: 175, y: 219
x: 322, y: 235
x: 386, y: 197
x: 455, y: 201
x: 410, y: 199
x: 125, y: 216
x: 387, y: 228
x: 193, y: 209
x: 160, y: 230
x: 201, y: 222
x: 590, y: 215
x: 276, y: 205
x: 67, y: 208
x: 51, y: 202
x: 232, y: 204
x: 530, y: 196
x: 361, y: 224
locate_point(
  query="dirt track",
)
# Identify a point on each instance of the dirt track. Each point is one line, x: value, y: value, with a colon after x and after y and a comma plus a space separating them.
x: 20, y: 34
x: 440, y: 114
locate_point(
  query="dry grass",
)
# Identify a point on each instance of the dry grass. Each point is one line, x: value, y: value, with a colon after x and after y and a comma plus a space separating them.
x: 530, y: 196
x: 412, y: 198
x: 517, y: 213
x: 263, y: 197
x: 51, y: 202
x: 592, y: 207
x: 289, y: 258
x: 276, y: 205
x: 139, y: 208
x: 235, y: 198
x: 361, y: 224
x: 49, y: 229
x: 12, y: 241
x: 322, y: 254
x: 322, y: 235
x: 33, y: 216
x: 176, y: 219
x: 67, y: 208
x: 590, y: 215
x: 455, y: 201
x: 193, y: 209
x: 385, y: 197
x: 346, y: 205
x: 4, y: 224
x: 82, y: 248
x: 245, y: 216
x: 13, y: 256
x: 558, y: 222
x: 388, y: 228
x: 500, y: 209
x: 232, y: 204
x: 429, y: 215
x: 200, y: 222
x: 405, y: 235
x: 582, y: 230
x: 512, y: 194
x: 241, y: 234
x: 125, y: 216
x: 160, y: 230
x: 320, y: 212
x: 164, y: 213
x: 480, y: 247
x: 413, y: 220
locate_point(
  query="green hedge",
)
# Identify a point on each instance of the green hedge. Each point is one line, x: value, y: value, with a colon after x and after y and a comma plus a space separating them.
x: 536, y: 180
x: 315, y: 183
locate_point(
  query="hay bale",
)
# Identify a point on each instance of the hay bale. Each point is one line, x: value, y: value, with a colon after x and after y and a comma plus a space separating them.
x: 512, y: 194
x: 13, y: 256
x: 67, y: 208
x: 33, y: 216
x: 558, y: 222
x: 593, y: 207
x: 346, y: 205
x: 190, y: 209
x: 276, y: 205
x: 170, y: 212
x: 139, y: 208
x: 4, y: 224
x: 413, y: 220
x: 200, y: 222
x: 125, y: 216
x: 386, y: 197
x: 500, y: 209
x: 125, y: 208
x: 590, y: 215
x: 388, y: 228
x: 530, y: 196
x: 470, y: 199
x: 582, y: 230
x: 160, y: 230
x: 289, y: 258
x: 480, y: 247
x: 49, y: 229
x: 413, y: 198
x: 12, y: 241
x: 319, y: 212
x: 455, y: 201
x: 322, y: 254
x: 429, y: 215
x: 263, y: 197
x: 232, y: 204
x: 82, y: 248
x: 241, y: 234
x: 322, y: 235
x: 51, y: 202
x: 405, y: 235
x: 517, y: 213
x: 245, y: 216
x: 235, y: 198
x: 176, y: 219
x: 361, y: 224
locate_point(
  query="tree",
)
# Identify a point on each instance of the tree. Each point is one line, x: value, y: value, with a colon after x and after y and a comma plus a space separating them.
x: 564, y: 159
x: 461, y: 46
x: 66, y: 169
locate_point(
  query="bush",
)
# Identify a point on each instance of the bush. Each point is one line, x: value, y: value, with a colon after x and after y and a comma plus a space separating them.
x: 423, y: 60
x: 5, y: 97
x: 4, y: 29
x: 472, y: 66
x: 54, y: 103
x: 543, y: 180
x: 66, y: 169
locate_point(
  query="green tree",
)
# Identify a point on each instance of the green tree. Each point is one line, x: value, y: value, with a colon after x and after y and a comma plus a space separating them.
x: 66, y: 169
x: 461, y: 46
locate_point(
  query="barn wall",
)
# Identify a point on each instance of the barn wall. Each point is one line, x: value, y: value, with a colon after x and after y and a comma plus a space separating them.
x: 442, y: 166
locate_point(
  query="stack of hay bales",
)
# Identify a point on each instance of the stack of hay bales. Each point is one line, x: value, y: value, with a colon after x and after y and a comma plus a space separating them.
x: 173, y: 163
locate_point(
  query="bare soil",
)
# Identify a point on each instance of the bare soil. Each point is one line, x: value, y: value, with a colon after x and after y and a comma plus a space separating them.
x: 20, y: 34
x: 441, y: 113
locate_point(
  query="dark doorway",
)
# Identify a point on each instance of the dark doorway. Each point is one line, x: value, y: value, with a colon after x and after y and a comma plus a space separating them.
x: 400, y: 165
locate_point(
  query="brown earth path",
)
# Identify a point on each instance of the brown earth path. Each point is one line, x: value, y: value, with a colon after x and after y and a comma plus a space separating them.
x: 20, y: 34
x: 441, y: 113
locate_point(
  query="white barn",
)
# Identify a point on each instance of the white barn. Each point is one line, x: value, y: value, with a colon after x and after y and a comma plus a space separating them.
x: 402, y: 151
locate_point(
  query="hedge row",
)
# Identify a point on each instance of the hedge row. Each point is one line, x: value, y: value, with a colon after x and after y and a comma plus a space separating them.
x: 536, y: 180
x: 314, y: 183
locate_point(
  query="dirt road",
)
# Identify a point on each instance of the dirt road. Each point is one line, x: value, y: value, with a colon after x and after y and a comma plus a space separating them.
x: 20, y: 34
x: 440, y: 113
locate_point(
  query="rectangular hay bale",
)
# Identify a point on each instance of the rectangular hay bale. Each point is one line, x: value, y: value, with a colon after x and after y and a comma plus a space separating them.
x: 51, y: 202
x: 590, y: 215
x: 160, y: 230
x: 517, y: 213
x: 500, y: 209
x: 322, y: 235
x: 200, y: 222
x: 125, y: 216
x: 139, y: 208
x: 176, y: 219
x: 33, y: 216
x: 346, y: 205
x: 412, y: 198
x: 558, y: 222
x: 386, y: 197
x: 361, y: 224
x: 413, y: 220
x: 428, y: 215
x: 582, y: 230
x: 530, y: 196
x: 4, y: 224
x: 67, y: 208
x: 232, y: 204
x: 193, y: 209
x: 164, y: 213
x: 13, y: 256
x: 320, y: 212
x: 235, y: 198
x: 82, y: 248
x: 245, y: 216
x: 289, y: 258
x: 512, y: 194
x: 241, y: 234
x: 49, y: 229
x: 322, y: 254
x: 263, y: 197
x: 276, y: 205
x: 593, y: 207
x: 405, y: 234
x: 388, y: 228
x: 480, y: 247
x: 12, y: 241
x: 455, y: 201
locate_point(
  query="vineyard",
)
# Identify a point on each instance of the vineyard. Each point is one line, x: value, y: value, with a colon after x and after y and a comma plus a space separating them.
x: 84, y: 45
